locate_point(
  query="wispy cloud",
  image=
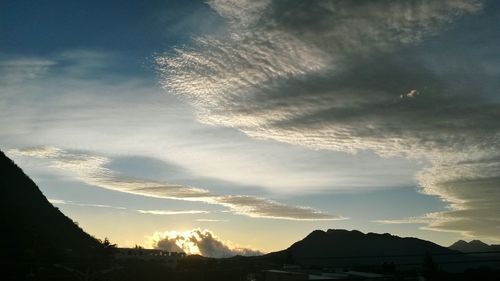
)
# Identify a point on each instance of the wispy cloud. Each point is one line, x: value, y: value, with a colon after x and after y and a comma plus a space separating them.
x: 92, y: 170
x: 170, y: 213
x: 17, y: 70
x: 149, y: 212
x: 211, y: 220
x: 68, y: 202
x: 74, y: 63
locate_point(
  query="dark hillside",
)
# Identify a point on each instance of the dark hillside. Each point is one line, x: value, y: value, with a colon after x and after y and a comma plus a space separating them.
x: 36, y: 234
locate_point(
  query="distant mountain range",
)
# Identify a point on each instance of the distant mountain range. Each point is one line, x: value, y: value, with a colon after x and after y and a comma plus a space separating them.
x: 474, y: 246
x: 337, y: 247
x: 343, y: 248
x: 36, y: 235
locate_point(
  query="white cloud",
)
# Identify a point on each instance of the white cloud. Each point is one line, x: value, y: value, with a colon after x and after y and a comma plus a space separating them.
x: 68, y: 202
x: 202, y: 242
x: 211, y: 220
x: 170, y: 213
x: 150, y: 212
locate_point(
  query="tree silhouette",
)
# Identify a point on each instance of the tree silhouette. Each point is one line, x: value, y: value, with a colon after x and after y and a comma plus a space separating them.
x: 108, y: 250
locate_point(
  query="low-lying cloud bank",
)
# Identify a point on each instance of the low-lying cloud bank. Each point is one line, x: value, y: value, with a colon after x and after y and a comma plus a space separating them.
x: 357, y: 75
x: 199, y: 242
x: 92, y: 170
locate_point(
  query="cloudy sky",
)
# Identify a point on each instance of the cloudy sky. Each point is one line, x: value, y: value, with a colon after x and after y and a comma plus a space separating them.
x: 237, y: 127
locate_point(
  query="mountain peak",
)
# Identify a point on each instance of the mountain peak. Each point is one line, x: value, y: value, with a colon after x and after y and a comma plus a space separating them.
x: 478, y: 243
x: 341, y: 242
x: 472, y: 246
x: 459, y: 243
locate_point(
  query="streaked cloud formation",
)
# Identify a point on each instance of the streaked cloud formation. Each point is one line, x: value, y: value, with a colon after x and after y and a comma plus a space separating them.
x: 199, y: 242
x: 92, y: 170
x: 170, y: 213
x: 349, y: 76
x: 15, y: 70
x: 211, y: 220
x: 150, y: 212
x: 68, y: 202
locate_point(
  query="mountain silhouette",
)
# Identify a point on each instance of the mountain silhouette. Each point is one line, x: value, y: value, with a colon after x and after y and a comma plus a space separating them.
x: 36, y: 235
x: 474, y: 246
x: 341, y: 248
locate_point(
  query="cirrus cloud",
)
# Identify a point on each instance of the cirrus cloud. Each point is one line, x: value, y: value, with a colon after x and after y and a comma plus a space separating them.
x: 93, y: 170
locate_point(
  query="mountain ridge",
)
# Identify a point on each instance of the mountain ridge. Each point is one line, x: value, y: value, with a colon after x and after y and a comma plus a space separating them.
x: 338, y: 237
x: 344, y: 248
x: 474, y: 246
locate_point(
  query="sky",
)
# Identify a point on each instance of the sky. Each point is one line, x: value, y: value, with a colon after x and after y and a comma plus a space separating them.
x: 238, y: 127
